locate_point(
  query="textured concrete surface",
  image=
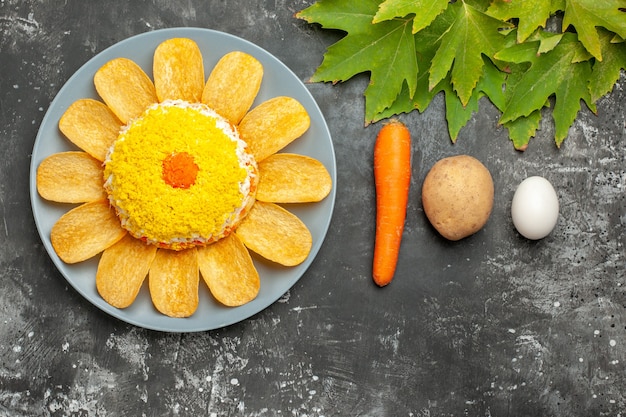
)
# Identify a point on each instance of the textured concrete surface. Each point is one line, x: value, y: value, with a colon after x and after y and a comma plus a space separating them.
x: 493, y: 325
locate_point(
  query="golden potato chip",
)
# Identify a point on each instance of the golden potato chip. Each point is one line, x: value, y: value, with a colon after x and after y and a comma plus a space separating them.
x: 90, y: 125
x: 122, y: 269
x: 272, y: 125
x: 125, y: 88
x: 173, y: 280
x: 275, y: 234
x: 292, y: 178
x: 70, y: 177
x: 227, y: 269
x: 233, y: 85
x: 178, y: 70
x: 85, y: 231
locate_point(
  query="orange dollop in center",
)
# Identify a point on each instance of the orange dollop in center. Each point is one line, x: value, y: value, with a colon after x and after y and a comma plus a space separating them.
x: 179, y: 170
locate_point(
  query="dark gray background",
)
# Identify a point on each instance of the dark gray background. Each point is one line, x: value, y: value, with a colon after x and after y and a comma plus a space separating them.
x: 493, y: 325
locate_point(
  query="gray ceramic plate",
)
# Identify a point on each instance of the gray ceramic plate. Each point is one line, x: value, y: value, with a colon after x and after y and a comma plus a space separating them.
x: 278, y: 80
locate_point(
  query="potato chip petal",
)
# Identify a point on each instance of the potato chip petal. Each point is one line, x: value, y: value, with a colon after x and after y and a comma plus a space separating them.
x: 272, y: 125
x: 233, y: 85
x: 227, y: 269
x: 292, y: 178
x: 122, y: 270
x: 173, y: 280
x: 90, y: 125
x: 70, y: 177
x: 125, y: 88
x: 178, y: 70
x: 275, y: 234
x: 85, y: 231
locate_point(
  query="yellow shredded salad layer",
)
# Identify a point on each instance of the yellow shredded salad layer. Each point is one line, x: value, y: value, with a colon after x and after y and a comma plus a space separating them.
x: 153, y: 210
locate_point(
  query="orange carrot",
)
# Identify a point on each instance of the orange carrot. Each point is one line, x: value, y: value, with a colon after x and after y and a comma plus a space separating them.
x: 392, y: 175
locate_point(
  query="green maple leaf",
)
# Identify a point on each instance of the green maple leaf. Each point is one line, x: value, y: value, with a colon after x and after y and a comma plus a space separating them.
x: 386, y: 50
x: 522, y: 129
x: 468, y: 49
x: 587, y: 15
x: 490, y: 85
x: 605, y: 73
x: 554, y: 73
x: 457, y: 114
x: 547, y: 40
x: 424, y: 11
x: 427, y: 43
x: 532, y: 14
x: 471, y: 35
x: 518, y: 53
x: 341, y: 15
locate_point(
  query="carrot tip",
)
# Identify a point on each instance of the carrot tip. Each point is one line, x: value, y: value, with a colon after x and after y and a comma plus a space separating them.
x: 382, y: 283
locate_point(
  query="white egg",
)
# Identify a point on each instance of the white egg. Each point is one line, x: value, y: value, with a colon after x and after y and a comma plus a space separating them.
x: 535, y: 208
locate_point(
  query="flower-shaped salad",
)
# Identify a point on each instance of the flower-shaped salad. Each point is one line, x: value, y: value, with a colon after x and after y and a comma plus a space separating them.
x: 178, y: 178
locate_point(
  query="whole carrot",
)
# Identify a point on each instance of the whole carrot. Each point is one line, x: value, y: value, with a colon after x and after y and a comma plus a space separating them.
x: 392, y: 176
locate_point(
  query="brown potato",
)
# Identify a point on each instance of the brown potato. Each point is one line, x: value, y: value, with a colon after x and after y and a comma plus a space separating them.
x: 90, y: 125
x: 122, y: 270
x: 272, y: 125
x: 173, y: 281
x: 178, y: 70
x: 70, y: 177
x: 233, y: 85
x: 85, y: 231
x: 125, y: 88
x: 275, y: 234
x: 457, y: 196
x: 227, y: 269
x: 292, y: 178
